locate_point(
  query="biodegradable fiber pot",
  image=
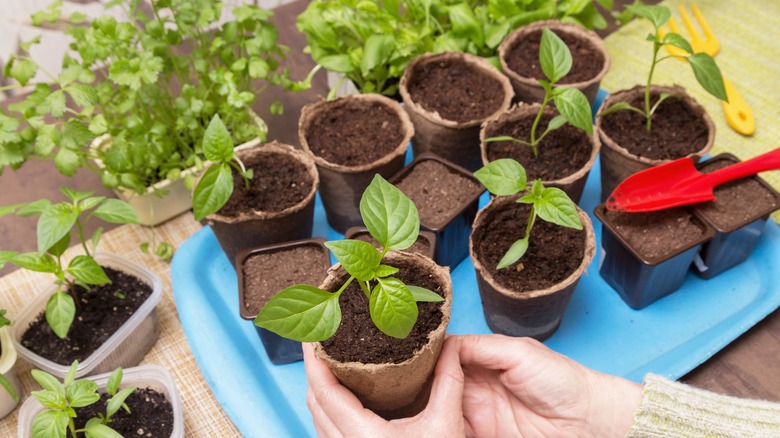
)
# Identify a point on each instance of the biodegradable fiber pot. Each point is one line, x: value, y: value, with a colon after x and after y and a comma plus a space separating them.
x: 470, y: 91
x: 619, y: 161
x: 253, y: 228
x: 394, y: 390
x: 345, y: 173
x: 7, y: 361
x: 532, y: 313
x: 566, y: 155
x: 584, y: 44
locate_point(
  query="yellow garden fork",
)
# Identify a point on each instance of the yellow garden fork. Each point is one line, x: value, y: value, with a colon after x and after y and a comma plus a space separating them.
x: 738, y: 114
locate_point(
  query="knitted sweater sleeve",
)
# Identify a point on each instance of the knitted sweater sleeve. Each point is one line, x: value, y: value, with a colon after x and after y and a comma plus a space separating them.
x: 672, y: 409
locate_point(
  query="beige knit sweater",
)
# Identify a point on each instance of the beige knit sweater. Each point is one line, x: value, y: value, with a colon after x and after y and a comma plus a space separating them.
x: 672, y: 409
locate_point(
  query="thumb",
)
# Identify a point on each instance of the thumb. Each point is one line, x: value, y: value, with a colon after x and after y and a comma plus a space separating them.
x: 446, y: 401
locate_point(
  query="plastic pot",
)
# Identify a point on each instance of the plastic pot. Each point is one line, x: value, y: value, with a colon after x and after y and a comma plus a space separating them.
x: 428, y: 237
x: 531, y: 313
x: 125, y: 348
x: 7, y: 362
x: 641, y: 280
x: 144, y: 376
x: 528, y: 89
x: 280, y: 350
x: 253, y: 228
x: 733, y: 241
x: 342, y: 186
x: 457, y: 142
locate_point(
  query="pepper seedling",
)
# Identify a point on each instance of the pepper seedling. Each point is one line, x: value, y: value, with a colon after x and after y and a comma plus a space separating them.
x: 216, y: 185
x: 308, y: 314
x: 4, y: 381
x: 505, y: 177
x: 571, y: 103
x: 54, y: 229
x: 703, y: 65
x: 61, y: 398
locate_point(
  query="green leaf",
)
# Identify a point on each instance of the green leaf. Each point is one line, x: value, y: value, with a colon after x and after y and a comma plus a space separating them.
x: 55, y: 222
x: 91, y: 202
x: 96, y: 237
x: 116, y: 212
x: 217, y: 144
x: 390, y: 216
x: 302, y: 313
x: 21, y: 69
x: 502, y: 177
x: 96, y: 429
x: 5, y: 257
x: 55, y: 103
x: 74, y: 195
x: 658, y: 15
x: 76, y: 135
x: 48, y: 138
x: 213, y: 191
x: 50, y: 424
x: 421, y: 294
x: 337, y: 63
x: 556, y: 207
x: 392, y: 307
x: 574, y: 106
x: 71, y: 376
x: 465, y: 23
x: 382, y: 271
x: 50, y: 400
x: 678, y: 41
x: 10, y: 209
x: 708, y: 74
x: 85, y: 269
x: 620, y: 106
x: 554, y: 56
x: 258, y: 68
x: 59, y: 248
x: 83, y: 95
x: 60, y: 311
x: 82, y: 393
x: 67, y: 161
x: 34, y: 208
x: 358, y: 258
x: 113, y: 381
x: 9, y: 387
x: 515, y: 253
x: 116, y: 402
x: 77, y: 17
x: 48, y: 382
x: 495, y: 33
x: 556, y: 122
x: 376, y: 51
x: 98, y: 125
x: 35, y: 262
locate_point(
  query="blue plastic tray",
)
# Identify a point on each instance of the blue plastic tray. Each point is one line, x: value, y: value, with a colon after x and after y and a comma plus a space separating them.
x: 669, y: 337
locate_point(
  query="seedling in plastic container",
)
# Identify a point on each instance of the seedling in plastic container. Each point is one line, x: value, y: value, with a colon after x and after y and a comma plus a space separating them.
x: 308, y: 314
x: 571, y: 103
x: 505, y: 177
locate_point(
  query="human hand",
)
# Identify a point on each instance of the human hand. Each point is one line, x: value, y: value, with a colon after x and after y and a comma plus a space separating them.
x: 519, y: 387
x: 338, y: 413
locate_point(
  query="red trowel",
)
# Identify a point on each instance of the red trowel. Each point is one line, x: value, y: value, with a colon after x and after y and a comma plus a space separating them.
x: 678, y: 183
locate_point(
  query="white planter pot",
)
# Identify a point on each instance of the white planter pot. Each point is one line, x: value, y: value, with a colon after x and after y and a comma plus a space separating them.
x: 125, y: 348
x: 7, y: 361
x: 145, y: 376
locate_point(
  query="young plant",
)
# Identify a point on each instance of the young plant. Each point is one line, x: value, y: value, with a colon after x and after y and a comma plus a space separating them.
x: 61, y: 398
x: 4, y: 382
x: 308, y: 314
x: 216, y: 185
x: 506, y: 177
x: 571, y: 103
x: 54, y: 233
x: 704, y: 67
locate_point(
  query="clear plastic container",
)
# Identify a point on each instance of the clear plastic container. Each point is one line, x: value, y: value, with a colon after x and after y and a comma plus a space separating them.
x: 125, y: 348
x: 144, y: 376
x: 7, y: 361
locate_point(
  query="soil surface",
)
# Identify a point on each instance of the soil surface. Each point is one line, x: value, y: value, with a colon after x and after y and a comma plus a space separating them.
x: 438, y: 192
x: 676, y: 130
x: 268, y: 273
x: 279, y: 182
x: 587, y: 61
x: 554, y: 252
x: 420, y: 246
x: 656, y: 234
x: 355, y: 133
x: 100, y: 314
x: 456, y: 90
x: 738, y: 202
x: 358, y: 339
x: 151, y: 415
x: 561, y: 153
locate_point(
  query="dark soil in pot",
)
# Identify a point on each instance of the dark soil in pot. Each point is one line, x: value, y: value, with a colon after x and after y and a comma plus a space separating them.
x: 151, y: 415
x: 523, y: 58
x: 101, y: 312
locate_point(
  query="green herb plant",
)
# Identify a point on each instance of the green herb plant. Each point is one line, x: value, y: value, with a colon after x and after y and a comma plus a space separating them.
x: 54, y: 227
x: 572, y: 105
x: 216, y: 185
x: 506, y: 177
x: 4, y: 382
x: 61, y: 398
x: 308, y: 314
x: 703, y: 65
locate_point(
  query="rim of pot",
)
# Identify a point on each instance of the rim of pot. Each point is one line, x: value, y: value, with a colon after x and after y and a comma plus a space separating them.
x: 337, y: 274
x: 625, y: 95
x: 476, y: 61
x: 310, y: 113
x: 521, y: 110
x: 273, y: 147
x: 589, y: 252
x: 569, y: 28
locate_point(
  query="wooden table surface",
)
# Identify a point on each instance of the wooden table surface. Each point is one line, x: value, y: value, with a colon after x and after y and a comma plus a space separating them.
x: 748, y: 367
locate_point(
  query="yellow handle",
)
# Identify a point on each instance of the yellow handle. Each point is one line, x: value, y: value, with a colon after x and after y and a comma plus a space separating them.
x: 738, y: 113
